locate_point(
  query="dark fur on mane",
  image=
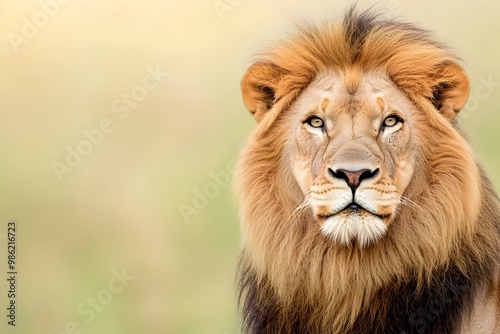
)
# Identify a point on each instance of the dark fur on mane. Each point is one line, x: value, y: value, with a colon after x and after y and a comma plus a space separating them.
x: 435, y: 310
x: 398, y: 308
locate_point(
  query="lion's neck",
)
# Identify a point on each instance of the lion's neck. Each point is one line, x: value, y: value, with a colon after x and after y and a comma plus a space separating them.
x: 399, y: 307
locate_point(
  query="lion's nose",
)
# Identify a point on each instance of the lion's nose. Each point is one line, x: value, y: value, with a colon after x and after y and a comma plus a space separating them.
x: 353, y: 178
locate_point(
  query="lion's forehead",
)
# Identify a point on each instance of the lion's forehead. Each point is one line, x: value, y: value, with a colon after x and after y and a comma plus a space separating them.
x: 335, y: 95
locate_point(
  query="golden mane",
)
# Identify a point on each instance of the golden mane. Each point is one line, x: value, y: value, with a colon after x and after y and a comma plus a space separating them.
x: 289, y: 272
x: 360, y: 43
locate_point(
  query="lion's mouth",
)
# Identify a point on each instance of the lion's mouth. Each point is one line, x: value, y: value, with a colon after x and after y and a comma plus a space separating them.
x: 353, y: 208
x: 354, y: 222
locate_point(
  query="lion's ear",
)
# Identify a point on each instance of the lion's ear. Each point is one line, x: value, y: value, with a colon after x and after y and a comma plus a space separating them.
x: 259, y: 86
x: 450, y: 89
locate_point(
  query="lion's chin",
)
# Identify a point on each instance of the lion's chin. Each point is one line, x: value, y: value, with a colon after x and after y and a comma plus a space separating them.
x: 348, y: 227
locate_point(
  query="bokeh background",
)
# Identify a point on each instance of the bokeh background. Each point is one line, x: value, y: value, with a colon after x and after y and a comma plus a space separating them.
x: 151, y: 198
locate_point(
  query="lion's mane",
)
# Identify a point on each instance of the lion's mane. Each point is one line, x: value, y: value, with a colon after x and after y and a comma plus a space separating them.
x: 424, y: 274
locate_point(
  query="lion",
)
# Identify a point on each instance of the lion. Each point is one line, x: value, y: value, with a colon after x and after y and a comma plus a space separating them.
x: 363, y: 208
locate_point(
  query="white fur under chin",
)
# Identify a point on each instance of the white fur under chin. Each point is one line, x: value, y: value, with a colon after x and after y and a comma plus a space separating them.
x: 343, y: 229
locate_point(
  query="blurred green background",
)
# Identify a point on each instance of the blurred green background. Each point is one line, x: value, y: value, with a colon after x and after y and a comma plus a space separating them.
x: 151, y: 197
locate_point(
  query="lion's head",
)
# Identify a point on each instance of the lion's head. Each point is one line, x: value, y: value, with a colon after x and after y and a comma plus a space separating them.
x: 358, y: 179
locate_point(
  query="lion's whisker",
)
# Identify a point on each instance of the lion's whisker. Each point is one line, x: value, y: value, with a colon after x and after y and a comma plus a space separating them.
x: 409, y: 203
x: 300, y: 208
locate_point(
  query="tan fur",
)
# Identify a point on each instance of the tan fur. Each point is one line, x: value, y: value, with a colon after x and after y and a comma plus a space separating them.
x: 454, y: 209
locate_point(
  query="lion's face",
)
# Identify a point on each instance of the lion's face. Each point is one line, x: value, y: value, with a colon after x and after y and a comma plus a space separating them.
x: 352, y: 154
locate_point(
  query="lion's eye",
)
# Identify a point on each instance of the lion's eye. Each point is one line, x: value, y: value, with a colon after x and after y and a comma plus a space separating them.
x: 315, y: 122
x: 391, y: 121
